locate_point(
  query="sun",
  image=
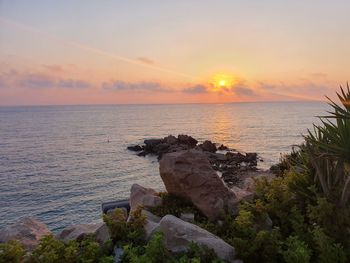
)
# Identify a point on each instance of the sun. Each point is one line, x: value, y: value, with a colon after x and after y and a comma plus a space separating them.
x: 221, y: 82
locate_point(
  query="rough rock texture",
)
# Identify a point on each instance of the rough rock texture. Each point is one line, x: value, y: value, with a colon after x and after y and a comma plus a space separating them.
x: 152, y: 223
x: 27, y: 231
x: 242, y: 194
x: 208, y: 146
x: 78, y: 232
x: 189, y: 174
x: 145, y: 197
x: 179, y: 233
x: 102, y: 234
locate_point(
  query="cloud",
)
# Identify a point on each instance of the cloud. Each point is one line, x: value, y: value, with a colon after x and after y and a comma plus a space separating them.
x: 145, y: 60
x: 35, y: 81
x: 73, y: 84
x: 119, y: 85
x: 13, y: 78
x: 197, y: 89
x: 53, y: 68
x: 243, y: 91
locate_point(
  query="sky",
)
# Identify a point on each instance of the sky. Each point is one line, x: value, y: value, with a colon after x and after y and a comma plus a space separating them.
x: 183, y: 51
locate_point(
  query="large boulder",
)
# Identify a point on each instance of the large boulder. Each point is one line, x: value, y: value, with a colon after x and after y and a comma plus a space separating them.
x: 178, y: 234
x: 78, y: 232
x: 189, y: 174
x: 28, y: 231
x: 145, y: 197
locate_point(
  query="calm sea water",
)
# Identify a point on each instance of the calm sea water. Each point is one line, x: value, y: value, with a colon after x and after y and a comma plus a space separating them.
x: 59, y: 163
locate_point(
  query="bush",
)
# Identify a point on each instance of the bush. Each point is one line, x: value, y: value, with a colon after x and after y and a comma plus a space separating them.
x: 51, y: 250
x: 11, y: 251
x: 296, y: 251
x: 123, y: 232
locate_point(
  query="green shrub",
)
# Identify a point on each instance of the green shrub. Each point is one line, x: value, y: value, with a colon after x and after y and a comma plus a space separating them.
x: 126, y: 232
x: 326, y: 250
x: 11, y: 251
x: 51, y: 250
x: 296, y: 251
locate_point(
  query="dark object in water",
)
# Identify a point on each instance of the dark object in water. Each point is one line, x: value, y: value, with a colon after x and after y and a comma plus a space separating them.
x: 115, y: 204
x: 135, y: 148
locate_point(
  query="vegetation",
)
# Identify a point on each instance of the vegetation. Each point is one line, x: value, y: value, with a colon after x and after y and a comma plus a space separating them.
x: 301, y: 215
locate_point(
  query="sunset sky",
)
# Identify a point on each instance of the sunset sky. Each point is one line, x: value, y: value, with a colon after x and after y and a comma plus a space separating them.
x: 111, y: 52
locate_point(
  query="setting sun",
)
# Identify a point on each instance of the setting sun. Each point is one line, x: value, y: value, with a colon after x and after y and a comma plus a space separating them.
x: 221, y: 81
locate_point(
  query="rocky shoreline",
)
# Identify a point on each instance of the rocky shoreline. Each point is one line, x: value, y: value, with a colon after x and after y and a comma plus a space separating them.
x: 232, y: 166
x: 190, y: 171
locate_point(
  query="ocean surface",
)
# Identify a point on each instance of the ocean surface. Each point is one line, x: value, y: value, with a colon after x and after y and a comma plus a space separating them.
x: 59, y: 163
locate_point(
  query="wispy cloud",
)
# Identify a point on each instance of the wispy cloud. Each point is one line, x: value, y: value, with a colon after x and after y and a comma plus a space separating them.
x: 197, y: 89
x: 53, y: 68
x: 146, y: 60
x: 13, y: 78
x: 119, y: 85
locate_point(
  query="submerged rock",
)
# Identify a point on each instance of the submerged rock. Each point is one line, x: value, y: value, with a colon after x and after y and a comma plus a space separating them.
x: 28, y: 231
x: 178, y: 234
x: 135, y: 148
x: 189, y: 174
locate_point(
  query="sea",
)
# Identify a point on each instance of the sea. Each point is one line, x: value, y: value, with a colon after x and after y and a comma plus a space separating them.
x: 60, y: 163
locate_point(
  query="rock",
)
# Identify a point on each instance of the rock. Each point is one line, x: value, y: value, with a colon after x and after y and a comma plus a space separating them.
x: 223, y: 148
x: 78, y: 232
x: 188, y: 140
x: 242, y: 194
x: 152, y: 142
x: 135, y: 148
x: 188, y: 217
x: 208, y: 146
x: 102, y: 234
x: 189, y: 174
x: 178, y: 234
x: 152, y: 223
x: 28, y: 231
x: 170, y: 139
x: 145, y: 197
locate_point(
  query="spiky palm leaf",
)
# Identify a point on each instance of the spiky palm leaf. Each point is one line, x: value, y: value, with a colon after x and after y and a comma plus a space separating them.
x: 329, y: 147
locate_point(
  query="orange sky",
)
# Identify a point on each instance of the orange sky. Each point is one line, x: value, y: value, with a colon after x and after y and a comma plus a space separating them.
x: 88, y: 53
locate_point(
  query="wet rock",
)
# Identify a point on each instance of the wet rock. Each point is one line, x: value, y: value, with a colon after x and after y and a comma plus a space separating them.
x: 78, y: 232
x: 28, y: 231
x: 207, y: 146
x: 178, y: 234
x: 135, y: 148
x: 189, y: 174
x: 152, y: 142
x: 145, y: 197
x: 170, y: 139
x: 187, y: 140
x: 223, y: 148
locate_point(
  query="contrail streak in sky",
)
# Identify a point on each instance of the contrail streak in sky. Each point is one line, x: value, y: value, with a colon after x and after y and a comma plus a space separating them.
x: 84, y: 47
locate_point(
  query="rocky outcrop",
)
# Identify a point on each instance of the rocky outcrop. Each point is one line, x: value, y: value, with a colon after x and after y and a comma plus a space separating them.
x: 145, y: 197
x: 231, y: 165
x: 207, y: 146
x: 78, y: 232
x: 178, y: 234
x: 189, y: 174
x: 28, y: 231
